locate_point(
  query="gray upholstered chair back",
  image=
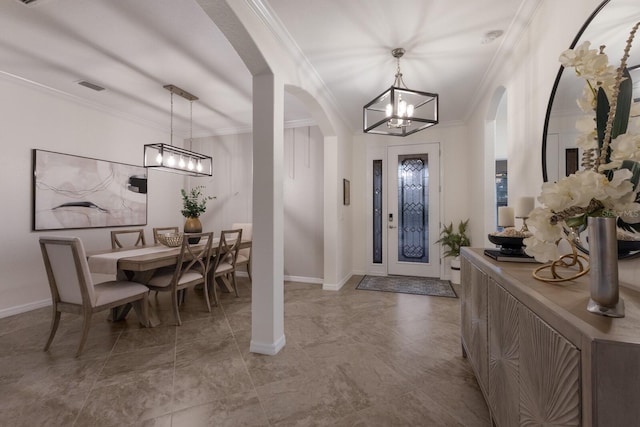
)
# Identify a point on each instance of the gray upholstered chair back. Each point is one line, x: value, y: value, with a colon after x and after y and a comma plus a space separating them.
x: 68, y: 270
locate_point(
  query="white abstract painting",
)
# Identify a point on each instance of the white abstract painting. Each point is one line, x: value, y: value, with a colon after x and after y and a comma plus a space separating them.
x: 79, y: 192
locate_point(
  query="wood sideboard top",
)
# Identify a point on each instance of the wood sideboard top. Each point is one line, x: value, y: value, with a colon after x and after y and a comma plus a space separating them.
x: 563, y: 305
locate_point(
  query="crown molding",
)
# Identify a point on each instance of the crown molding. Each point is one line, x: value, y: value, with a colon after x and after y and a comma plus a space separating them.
x: 512, y: 36
x: 162, y: 127
x: 81, y: 101
x: 269, y: 18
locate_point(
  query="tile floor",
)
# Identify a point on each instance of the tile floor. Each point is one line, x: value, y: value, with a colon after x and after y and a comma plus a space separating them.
x: 353, y: 358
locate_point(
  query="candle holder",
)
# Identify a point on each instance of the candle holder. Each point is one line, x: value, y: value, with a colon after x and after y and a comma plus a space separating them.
x: 524, y: 228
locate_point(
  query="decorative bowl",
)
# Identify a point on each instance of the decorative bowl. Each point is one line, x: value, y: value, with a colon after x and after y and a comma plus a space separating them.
x: 508, y: 244
x: 170, y: 239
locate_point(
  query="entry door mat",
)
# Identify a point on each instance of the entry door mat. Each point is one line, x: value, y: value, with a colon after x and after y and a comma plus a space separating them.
x: 408, y: 285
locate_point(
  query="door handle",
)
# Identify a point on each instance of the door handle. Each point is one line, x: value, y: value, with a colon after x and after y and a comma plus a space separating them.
x: 392, y: 226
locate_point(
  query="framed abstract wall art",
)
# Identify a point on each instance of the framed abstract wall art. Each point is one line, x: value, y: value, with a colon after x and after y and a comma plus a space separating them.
x: 71, y: 192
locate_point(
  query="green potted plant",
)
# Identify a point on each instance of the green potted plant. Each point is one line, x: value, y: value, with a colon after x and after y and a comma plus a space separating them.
x: 194, y: 204
x: 453, y: 239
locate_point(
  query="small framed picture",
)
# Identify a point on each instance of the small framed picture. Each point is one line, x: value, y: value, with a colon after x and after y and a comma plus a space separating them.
x: 346, y: 192
x: 634, y: 72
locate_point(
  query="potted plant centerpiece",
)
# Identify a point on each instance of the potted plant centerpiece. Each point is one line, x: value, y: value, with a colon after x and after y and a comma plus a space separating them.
x: 453, y: 239
x: 194, y: 204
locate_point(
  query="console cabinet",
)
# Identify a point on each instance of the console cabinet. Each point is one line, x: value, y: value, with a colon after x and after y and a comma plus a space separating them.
x: 539, y: 356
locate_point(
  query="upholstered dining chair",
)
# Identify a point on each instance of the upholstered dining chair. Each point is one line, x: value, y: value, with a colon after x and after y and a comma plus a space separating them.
x: 224, y: 266
x: 163, y: 230
x: 191, y: 269
x: 244, y: 254
x: 73, y: 290
x: 118, y: 239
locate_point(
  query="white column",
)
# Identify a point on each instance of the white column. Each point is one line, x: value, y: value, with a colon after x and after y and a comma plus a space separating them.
x: 267, y: 305
x: 332, y: 189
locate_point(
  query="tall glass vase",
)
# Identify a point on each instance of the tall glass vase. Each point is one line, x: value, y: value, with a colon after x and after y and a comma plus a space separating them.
x: 603, y: 262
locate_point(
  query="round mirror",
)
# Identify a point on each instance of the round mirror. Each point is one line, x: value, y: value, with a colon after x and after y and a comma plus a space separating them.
x: 608, y: 25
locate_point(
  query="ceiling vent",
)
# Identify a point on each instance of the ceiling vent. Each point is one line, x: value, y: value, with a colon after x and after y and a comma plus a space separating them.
x: 33, y: 3
x: 90, y: 85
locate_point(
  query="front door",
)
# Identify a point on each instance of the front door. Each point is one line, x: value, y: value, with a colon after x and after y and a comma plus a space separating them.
x: 413, y: 191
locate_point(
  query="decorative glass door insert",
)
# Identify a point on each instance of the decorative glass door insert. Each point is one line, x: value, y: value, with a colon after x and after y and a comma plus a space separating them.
x: 413, y: 209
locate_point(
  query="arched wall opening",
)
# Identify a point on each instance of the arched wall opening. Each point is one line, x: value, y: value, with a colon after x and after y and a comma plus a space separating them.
x: 303, y: 188
x: 495, y: 159
x: 273, y: 70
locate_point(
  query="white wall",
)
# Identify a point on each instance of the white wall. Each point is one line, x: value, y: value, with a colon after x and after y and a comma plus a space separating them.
x: 501, y: 128
x: 231, y: 183
x: 527, y: 73
x: 303, y: 204
x: 303, y: 194
x: 34, y: 117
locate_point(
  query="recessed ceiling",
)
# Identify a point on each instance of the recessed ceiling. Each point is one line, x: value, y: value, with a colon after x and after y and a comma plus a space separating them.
x: 132, y: 48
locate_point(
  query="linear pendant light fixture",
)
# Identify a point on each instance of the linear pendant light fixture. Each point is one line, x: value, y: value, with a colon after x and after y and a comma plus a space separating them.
x: 169, y: 158
x: 399, y: 111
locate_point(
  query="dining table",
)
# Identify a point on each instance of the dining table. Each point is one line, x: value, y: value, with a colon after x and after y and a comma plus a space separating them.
x: 138, y: 264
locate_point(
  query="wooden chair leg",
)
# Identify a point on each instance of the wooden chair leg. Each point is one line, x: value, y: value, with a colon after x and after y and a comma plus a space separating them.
x: 206, y: 295
x: 141, y: 308
x: 86, y: 324
x: 249, y: 270
x: 233, y: 281
x: 176, y: 313
x: 225, y: 281
x: 212, y: 288
x: 55, y: 321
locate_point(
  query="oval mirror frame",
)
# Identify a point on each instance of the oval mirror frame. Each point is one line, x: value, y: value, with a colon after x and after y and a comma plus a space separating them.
x: 623, y: 250
x: 554, y: 89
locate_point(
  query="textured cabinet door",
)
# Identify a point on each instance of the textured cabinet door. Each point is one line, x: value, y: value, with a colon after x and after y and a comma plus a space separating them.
x: 549, y: 375
x: 474, y: 320
x: 504, y: 355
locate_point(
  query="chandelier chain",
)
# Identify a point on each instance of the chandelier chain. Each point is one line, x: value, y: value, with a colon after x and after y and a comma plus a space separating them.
x: 171, y: 121
x: 399, y: 81
x: 190, y: 124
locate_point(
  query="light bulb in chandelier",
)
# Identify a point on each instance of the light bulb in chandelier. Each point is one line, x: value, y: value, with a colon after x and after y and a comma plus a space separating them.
x: 182, y: 163
x: 402, y: 108
x: 389, y: 110
x: 172, y: 160
x: 199, y: 166
x: 159, y: 158
x: 190, y: 165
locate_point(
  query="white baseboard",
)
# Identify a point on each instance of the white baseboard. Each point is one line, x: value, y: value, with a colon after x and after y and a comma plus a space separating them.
x: 336, y: 286
x: 303, y: 279
x: 11, y: 311
x: 270, y: 349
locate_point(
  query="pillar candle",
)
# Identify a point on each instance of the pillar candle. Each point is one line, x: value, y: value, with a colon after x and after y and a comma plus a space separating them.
x: 505, y: 216
x: 524, y: 206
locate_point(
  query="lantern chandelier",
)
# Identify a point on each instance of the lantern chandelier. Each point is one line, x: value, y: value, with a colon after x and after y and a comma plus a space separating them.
x: 400, y: 111
x: 170, y: 158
